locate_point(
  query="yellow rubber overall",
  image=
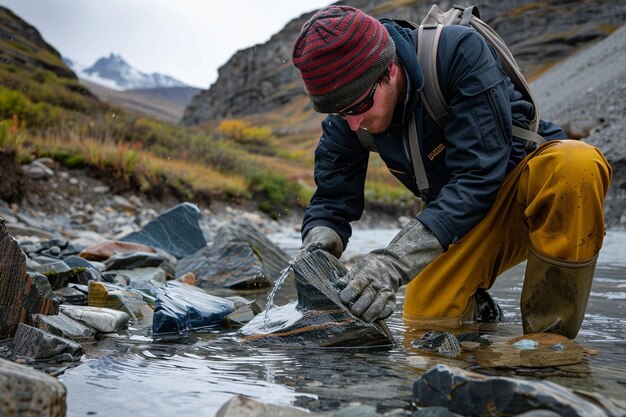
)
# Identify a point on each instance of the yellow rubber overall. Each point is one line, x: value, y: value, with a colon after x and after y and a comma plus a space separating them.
x: 553, y: 200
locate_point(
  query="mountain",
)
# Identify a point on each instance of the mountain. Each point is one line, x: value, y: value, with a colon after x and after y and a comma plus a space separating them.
x: 164, y: 103
x: 260, y: 80
x: 114, y: 81
x: 115, y: 73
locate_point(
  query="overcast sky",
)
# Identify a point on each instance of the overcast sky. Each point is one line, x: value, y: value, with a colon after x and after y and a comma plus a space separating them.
x: 187, y: 39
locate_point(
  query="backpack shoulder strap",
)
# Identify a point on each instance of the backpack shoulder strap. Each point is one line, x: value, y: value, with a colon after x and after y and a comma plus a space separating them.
x: 427, y: 46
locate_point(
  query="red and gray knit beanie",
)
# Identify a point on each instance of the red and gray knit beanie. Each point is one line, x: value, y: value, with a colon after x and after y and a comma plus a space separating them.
x: 341, y: 52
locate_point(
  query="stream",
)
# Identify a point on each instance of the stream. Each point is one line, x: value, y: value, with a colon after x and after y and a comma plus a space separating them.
x: 132, y: 375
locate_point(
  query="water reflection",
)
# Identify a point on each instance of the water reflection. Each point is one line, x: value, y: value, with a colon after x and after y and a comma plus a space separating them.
x: 135, y: 376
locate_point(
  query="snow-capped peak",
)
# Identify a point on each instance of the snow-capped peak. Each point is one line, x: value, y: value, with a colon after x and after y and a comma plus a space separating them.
x: 114, y: 72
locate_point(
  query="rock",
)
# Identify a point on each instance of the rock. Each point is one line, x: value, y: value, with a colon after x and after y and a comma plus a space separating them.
x: 120, y: 203
x: 21, y: 294
x: 104, y: 250
x: 37, y: 170
x: 470, y: 393
x: 63, y: 326
x: 442, y: 343
x: 181, y: 308
x: 58, y: 273
x: 36, y: 344
x: 26, y: 392
x: 611, y: 406
x: 511, y: 354
x: 90, y: 271
x: 435, y: 412
x: 132, y: 260
x: 69, y: 295
x: 104, y: 320
x: 242, y: 315
x: 23, y: 230
x: 358, y: 410
x: 240, y: 406
x: 273, y: 258
x: 318, y: 318
x: 118, y: 298
x: 176, y: 231
x: 232, y: 265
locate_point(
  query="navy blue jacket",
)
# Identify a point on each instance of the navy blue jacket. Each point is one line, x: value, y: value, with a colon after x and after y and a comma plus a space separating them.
x: 465, y: 162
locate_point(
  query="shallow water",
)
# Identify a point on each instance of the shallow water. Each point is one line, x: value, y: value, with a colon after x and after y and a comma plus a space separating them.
x: 136, y: 376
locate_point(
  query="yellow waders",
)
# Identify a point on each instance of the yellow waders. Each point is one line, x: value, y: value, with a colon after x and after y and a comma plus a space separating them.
x: 552, y: 202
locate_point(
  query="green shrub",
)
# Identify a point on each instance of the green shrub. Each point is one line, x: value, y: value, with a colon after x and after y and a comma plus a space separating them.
x: 75, y: 161
x: 275, y: 194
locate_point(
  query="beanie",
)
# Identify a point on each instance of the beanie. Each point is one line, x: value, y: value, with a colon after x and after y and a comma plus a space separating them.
x: 340, y: 53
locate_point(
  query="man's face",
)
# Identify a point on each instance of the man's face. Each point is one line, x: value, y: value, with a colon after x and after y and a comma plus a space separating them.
x: 385, y: 97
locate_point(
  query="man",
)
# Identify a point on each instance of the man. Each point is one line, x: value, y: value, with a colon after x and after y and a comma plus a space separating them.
x: 492, y: 202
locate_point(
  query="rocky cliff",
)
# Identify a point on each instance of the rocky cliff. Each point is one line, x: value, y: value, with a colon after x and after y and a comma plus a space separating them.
x: 261, y: 79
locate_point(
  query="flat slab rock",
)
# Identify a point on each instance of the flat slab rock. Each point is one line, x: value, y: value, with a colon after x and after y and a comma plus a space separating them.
x: 176, y: 231
x: 470, y: 393
x: 21, y: 293
x: 319, y: 318
x: 181, y: 308
x: 104, y: 250
x: 105, y: 320
x: 544, y: 350
x: 29, y: 393
x: 33, y: 343
x: 231, y: 265
x: 63, y: 326
x: 272, y: 257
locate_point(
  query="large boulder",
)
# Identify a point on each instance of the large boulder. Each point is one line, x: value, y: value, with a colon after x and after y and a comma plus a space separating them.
x: 470, y: 393
x: 25, y: 392
x: 21, y: 294
x: 176, y: 231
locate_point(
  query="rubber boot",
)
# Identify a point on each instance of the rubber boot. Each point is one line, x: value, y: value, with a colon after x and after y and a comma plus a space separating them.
x: 555, y: 294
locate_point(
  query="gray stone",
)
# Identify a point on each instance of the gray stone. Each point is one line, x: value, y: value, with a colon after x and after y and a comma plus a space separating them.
x: 435, y: 412
x: 176, y: 231
x: 132, y: 260
x: 359, y: 410
x: 58, y: 273
x: 21, y: 293
x: 442, y: 343
x: 25, y: 392
x: 470, y: 393
x: 69, y: 295
x: 242, y: 315
x: 273, y: 258
x: 105, y: 320
x: 24, y: 230
x: 240, y: 406
x: 37, y: 170
x: 36, y: 344
x: 232, y: 265
x: 63, y: 326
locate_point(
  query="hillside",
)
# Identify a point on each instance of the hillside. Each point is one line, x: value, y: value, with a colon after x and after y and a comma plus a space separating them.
x: 165, y: 103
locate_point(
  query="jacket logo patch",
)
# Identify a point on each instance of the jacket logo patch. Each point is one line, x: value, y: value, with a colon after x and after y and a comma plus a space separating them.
x: 436, y: 151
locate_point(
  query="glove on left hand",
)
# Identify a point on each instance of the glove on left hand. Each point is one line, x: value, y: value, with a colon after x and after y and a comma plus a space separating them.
x: 372, y: 283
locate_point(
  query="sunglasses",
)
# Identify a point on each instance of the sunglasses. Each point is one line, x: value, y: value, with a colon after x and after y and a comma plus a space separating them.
x: 362, y: 106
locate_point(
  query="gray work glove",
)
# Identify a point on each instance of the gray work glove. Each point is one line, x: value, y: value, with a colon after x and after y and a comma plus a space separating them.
x: 321, y: 237
x: 371, y: 284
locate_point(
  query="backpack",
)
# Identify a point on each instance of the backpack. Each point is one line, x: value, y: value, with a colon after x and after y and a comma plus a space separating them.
x: 431, y: 95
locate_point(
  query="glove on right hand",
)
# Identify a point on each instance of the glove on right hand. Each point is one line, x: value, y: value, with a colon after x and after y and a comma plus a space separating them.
x: 321, y: 237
